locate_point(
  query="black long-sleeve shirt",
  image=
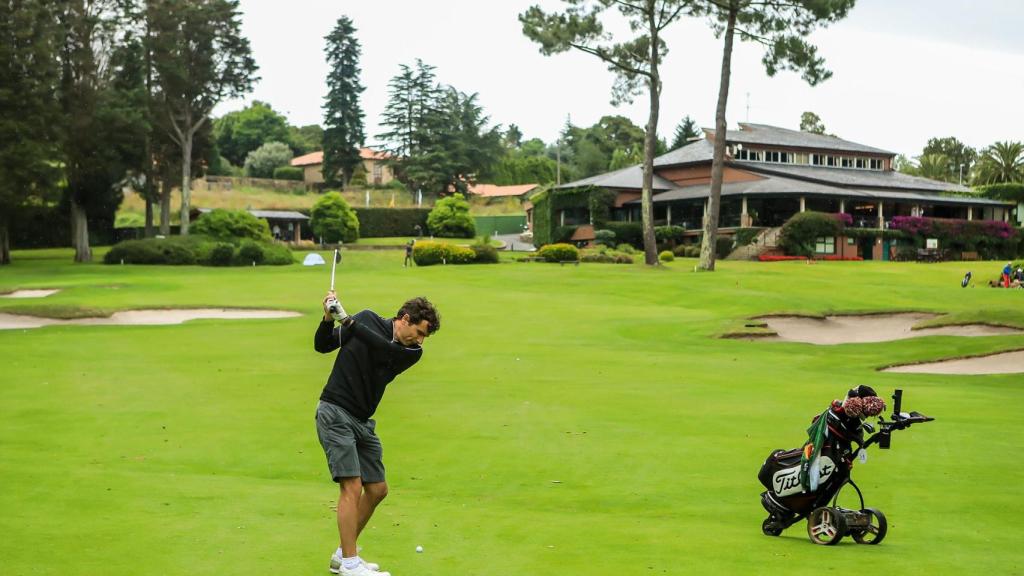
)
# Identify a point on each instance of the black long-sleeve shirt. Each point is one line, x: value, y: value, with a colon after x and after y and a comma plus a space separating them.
x: 368, y: 359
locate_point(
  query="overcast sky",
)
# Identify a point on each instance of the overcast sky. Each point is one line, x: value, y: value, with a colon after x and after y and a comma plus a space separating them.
x: 903, y: 70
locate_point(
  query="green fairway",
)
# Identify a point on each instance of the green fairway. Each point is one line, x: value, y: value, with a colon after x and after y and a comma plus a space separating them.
x: 579, y: 420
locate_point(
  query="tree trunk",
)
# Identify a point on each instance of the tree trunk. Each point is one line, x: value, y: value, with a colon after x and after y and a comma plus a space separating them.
x: 186, y: 178
x: 165, y: 207
x: 149, y: 211
x: 5, y: 242
x: 650, y: 142
x: 707, y: 248
x: 80, y: 232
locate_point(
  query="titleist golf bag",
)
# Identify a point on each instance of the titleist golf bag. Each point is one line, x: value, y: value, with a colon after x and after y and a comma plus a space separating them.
x: 800, y: 483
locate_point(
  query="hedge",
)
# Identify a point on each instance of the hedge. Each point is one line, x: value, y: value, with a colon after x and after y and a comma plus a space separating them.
x: 196, y: 249
x: 631, y: 233
x: 288, y: 173
x: 391, y: 222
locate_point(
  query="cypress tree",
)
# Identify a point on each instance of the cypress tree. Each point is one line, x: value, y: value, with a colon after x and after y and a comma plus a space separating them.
x: 343, y: 116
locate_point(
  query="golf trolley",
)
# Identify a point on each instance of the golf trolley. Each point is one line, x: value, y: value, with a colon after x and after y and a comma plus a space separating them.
x: 788, y: 501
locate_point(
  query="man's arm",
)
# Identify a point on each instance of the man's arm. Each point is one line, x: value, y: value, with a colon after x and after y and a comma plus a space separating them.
x: 376, y: 342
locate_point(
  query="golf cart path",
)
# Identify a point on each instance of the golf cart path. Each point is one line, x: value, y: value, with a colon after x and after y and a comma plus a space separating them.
x: 832, y: 330
x: 144, y: 317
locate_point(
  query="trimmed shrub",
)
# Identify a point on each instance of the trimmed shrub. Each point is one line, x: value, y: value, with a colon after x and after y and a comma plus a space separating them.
x: 666, y: 256
x: 604, y: 238
x: 559, y: 253
x: 277, y: 255
x: 671, y: 235
x: 177, y: 250
x: 288, y: 173
x: 800, y: 232
x: 631, y: 233
x: 626, y: 249
x: 250, y: 252
x: 333, y: 220
x: 222, y: 254
x: 450, y: 218
x: 427, y: 253
x: 723, y: 246
x: 231, y: 225
x: 485, y: 253
x: 391, y: 222
x: 687, y: 251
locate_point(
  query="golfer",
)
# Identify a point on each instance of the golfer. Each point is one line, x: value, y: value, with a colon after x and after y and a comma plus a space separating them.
x: 371, y: 352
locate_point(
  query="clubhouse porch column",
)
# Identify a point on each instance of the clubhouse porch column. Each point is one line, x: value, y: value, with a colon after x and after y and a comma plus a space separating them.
x: 881, y: 217
x: 970, y: 212
x: 803, y: 204
x: 744, y: 216
x: 704, y: 218
x: 668, y: 214
x: 842, y: 205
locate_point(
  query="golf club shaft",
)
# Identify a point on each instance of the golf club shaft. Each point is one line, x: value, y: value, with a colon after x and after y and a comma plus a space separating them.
x: 334, y: 262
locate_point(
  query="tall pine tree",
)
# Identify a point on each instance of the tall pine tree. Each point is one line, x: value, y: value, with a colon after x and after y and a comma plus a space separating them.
x: 686, y: 129
x: 343, y: 116
x: 200, y: 58
x: 28, y: 77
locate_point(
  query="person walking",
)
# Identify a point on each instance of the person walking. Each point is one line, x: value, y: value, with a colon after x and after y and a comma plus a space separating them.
x: 372, y: 351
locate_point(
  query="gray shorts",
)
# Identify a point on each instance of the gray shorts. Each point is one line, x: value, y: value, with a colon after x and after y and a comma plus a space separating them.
x: 351, y: 446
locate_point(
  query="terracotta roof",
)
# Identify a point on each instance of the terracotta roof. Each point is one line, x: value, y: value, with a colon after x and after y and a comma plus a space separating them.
x: 318, y: 157
x: 309, y: 159
x: 495, y: 191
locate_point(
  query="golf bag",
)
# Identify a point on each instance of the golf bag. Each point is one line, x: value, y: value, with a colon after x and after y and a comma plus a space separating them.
x: 780, y: 474
x: 800, y: 483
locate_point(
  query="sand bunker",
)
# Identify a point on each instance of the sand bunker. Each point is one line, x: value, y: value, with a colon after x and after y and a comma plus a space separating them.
x: 1005, y: 363
x: 868, y: 328
x: 144, y: 317
x: 29, y: 294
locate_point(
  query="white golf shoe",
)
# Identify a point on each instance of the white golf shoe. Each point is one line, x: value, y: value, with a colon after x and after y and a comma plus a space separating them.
x: 372, y: 568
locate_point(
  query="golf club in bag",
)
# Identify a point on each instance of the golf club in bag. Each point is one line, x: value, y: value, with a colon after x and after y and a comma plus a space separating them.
x: 805, y: 482
x: 333, y: 306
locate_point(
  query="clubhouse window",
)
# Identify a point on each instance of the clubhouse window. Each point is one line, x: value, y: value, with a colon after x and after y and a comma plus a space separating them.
x: 809, y: 159
x: 825, y: 245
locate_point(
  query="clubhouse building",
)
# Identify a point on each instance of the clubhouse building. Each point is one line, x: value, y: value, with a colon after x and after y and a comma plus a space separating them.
x: 773, y: 173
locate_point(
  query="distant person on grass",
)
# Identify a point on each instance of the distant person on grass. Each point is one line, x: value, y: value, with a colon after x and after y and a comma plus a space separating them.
x: 372, y: 351
x: 408, y: 253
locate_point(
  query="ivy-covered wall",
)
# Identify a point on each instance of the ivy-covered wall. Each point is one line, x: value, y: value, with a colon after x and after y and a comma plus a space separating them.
x: 547, y: 205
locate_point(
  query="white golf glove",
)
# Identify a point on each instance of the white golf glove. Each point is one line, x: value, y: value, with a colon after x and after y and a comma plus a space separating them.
x: 335, y: 309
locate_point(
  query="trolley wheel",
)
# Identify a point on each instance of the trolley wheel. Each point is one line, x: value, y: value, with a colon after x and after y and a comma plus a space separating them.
x: 771, y: 527
x: 826, y: 526
x: 876, y: 530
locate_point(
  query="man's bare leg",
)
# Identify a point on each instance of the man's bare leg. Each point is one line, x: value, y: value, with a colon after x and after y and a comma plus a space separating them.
x: 349, y: 514
x: 373, y: 494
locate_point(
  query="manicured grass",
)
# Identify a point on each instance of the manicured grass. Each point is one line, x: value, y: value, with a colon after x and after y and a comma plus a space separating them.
x: 565, y: 420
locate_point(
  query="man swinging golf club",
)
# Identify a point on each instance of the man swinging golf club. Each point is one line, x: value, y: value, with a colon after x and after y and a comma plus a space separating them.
x: 371, y: 352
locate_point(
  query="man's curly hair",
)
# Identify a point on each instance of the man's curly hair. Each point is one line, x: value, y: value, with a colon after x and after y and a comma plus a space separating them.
x: 420, y: 309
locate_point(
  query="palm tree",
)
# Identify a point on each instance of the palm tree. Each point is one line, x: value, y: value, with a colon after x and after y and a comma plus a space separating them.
x: 1001, y: 162
x: 933, y: 166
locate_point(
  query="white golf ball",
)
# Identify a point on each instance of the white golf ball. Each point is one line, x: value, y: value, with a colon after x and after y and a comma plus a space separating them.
x: 419, y: 548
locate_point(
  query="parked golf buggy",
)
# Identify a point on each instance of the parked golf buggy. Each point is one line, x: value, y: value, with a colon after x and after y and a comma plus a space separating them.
x: 805, y: 482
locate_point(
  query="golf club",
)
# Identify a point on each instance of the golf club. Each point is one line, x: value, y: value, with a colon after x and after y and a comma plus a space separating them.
x: 333, y: 307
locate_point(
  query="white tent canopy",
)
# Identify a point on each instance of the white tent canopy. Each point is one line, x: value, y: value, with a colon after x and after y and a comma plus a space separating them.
x: 313, y: 259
